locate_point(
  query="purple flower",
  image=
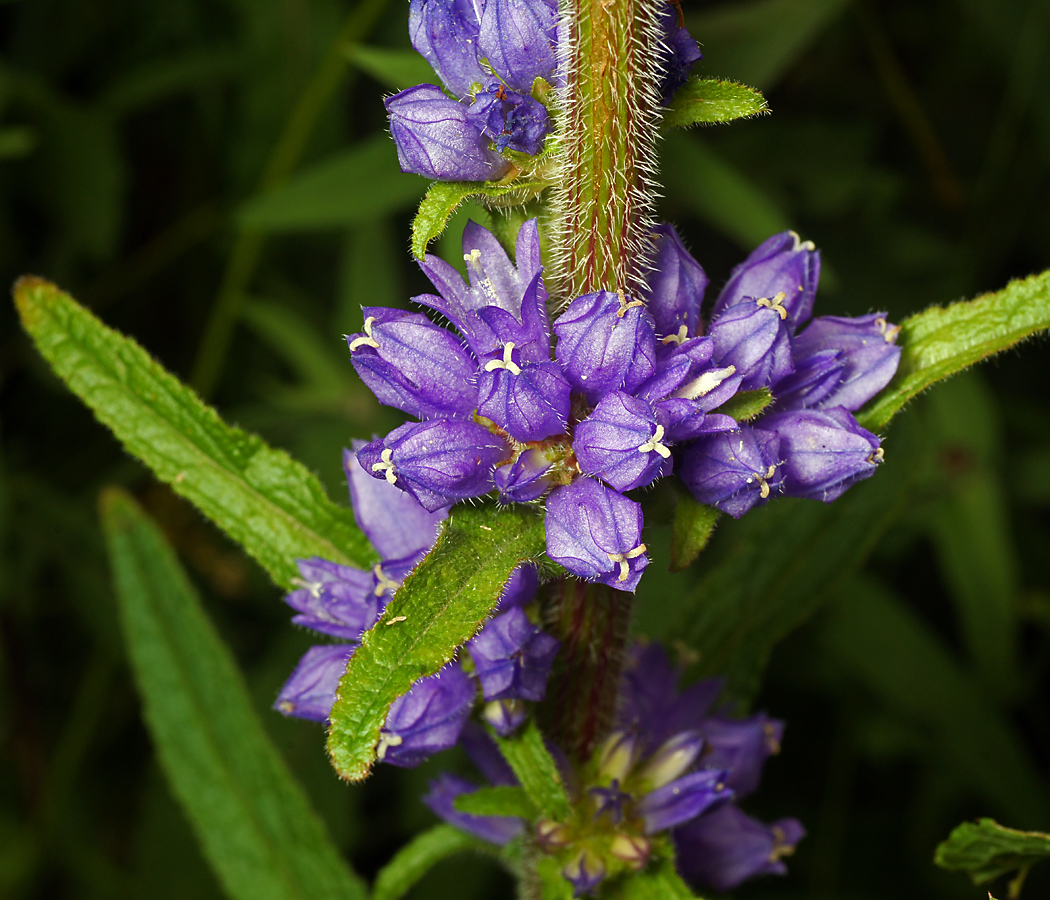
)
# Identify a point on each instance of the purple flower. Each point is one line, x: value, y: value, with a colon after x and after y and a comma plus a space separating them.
x: 726, y: 847
x: 860, y: 351
x: 505, y: 716
x: 437, y: 462
x: 413, y: 365
x: 445, y: 33
x: 622, y: 442
x: 676, y: 283
x: 596, y: 533
x: 310, y: 691
x: 441, y: 798
x: 428, y: 718
x: 605, y: 343
x: 513, y: 658
x: 525, y: 479
x: 683, y: 799
x: 734, y: 471
x: 435, y: 138
x: 336, y: 600
x: 824, y: 451
x: 678, y: 51
x: 520, y: 589
x: 584, y: 872
x: 783, y: 264
x: 518, y: 40
x: 752, y: 337
x: 510, y: 119
x: 530, y: 401
x: 741, y: 747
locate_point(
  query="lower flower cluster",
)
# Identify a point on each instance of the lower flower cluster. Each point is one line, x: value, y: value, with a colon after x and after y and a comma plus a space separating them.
x: 634, y: 389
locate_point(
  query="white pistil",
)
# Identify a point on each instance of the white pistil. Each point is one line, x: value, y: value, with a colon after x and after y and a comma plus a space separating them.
x: 889, y: 332
x: 705, y: 383
x: 680, y: 338
x: 763, y: 482
x: 622, y: 558
x: 801, y: 244
x: 383, y: 582
x: 877, y: 456
x: 473, y: 261
x: 626, y: 304
x: 654, y: 445
x: 775, y: 303
x: 367, y: 341
x: 386, y: 466
x: 780, y: 846
x: 505, y: 363
x: 314, y: 587
x: 386, y: 739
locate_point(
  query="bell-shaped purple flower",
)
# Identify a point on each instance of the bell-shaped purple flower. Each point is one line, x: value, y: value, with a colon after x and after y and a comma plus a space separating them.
x: 513, y: 658
x: 683, y: 799
x: 824, y: 451
x: 678, y: 50
x: 428, y: 719
x: 866, y: 359
x: 518, y: 40
x: 733, y: 471
x: 435, y: 138
x: 752, y: 336
x: 783, y: 264
x: 596, y: 533
x: 584, y: 872
x: 441, y: 798
x: 726, y: 847
x: 510, y: 119
x: 526, y: 479
x: 741, y: 747
x: 310, y: 691
x: 622, y: 442
x: 437, y: 462
x: 676, y: 284
x: 411, y: 364
x: 816, y: 376
x: 445, y: 34
x: 335, y: 600
x: 530, y: 401
x: 605, y: 343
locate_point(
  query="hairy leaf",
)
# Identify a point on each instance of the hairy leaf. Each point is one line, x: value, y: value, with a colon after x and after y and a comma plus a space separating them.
x: 416, y: 858
x: 261, y: 497
x: 694, y: 523
x: 985, y: 850
x: 527, y: 755
x: 709, y: 100
x: 497, y: 801
x: 254, y: 823
x: 745, y: 405
x: 659, y: 881
x: 440, y: 606
x: 941, y: 341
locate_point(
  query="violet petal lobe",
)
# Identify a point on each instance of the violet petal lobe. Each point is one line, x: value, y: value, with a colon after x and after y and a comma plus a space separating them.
x: 527, y: 478
x: 529, y: 402
x: 517, y: 38
x: 733, y: 471
x: 676, y: 284
x: 310, y: 691
x: 441, y: 798
x: 445, y: 34
x: 513, y: 658
x: 678, y: 52
x: 333, y: 599
x: 753, y: 338
x: 435, y: 138
x: 622, y: 442
x: 741, y: 747
x: 596, y: 533
x: 683, y: 799
x: 520, y: 589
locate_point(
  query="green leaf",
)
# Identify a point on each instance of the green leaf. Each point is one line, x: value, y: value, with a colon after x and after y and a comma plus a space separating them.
x: 443, y: 197
x: 941, y: 341
x: 351, y: 188
x: 254, y: 823
x: 986, y: 850
x: 527, y: 755
x: 497, y: 801
x: 439, y: 607
x: 694, y: 523
x: 261, y: 497
x: 416, y: 858
x: 397, y: 69
x: 709, y: 100
x: 659, y: 881
x: 745, y: 405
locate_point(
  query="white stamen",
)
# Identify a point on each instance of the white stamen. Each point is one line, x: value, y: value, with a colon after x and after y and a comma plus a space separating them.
x: 801, y: 244
x: 386, y: 466
x: 368, y: 341
x: 763, y: 483
x: 622, y: 558
x: 878, y: 456
x: 679, y: 339
x: 314, y: 587
x: 477, y: 270
x: 705, y: 383
x: 387, y: 739
x: 505, y: 363
x: 653, y: 445
x: 383, y: 582
x: 775, y: 303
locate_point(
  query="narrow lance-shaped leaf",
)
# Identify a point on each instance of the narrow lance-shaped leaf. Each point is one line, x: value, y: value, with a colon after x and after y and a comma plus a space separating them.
x: 265, y: 500
x: 941, y: 341
x: 709, y: 100
x: 254, y: 823
x: 497, y: 801
x: 527, y: 755
x: 984, y: 850
x: 693, y: 525
x: 416, y: 858
x: 440, y: 606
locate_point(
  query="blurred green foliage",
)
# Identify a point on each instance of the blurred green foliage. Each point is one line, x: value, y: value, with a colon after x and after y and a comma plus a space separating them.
x: 212, y: 177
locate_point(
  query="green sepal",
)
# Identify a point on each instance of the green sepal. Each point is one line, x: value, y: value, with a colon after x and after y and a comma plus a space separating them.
x: 442, y: 198
x: 985, y: 850
x: 693, y: 525
x: 710, y: 100
x: 421, y: 854
x: 745, y: 405
x: 262, y: 498
x: 941, y: 341
x: 535, y: 768
x: 438, y: 608
x: 658, y: 881
x: 497, y: 801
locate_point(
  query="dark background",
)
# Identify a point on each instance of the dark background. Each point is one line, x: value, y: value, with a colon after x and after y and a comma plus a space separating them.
x: 153, y: 158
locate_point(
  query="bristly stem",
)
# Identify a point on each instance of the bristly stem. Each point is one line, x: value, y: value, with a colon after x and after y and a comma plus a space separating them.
x: 602, y: 204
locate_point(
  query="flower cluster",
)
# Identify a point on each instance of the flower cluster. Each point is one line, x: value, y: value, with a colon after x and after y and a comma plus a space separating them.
x: 497, y: 59
x: 510, y: 658
x: 670, y: 765
x: 631, y: 383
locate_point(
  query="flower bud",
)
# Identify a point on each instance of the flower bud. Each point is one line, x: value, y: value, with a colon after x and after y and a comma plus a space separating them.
x: 505, y: 716
x: 510, y: 119
x: 552, y: 835
x: 632, y: 849
x: 518, y: 40
x: 618, y: 755
x: 584, y: 872
x: 733, y: 471
x: 513, y: 658
x: 445, y: 34
x: 672, y: 758
x: 525, y: 479
x: 310, y: 691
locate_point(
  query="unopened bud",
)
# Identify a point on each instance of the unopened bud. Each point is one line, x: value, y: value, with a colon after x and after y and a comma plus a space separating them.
x: 631, y: 849
x: 552, y: 835
x: 618, y: 755
x: 672, y: 758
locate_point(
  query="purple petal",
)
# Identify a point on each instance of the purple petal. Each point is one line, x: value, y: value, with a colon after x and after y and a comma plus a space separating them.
x: 441, y: 799
x: 530, y: 402
x: 513, y: 658
x: 310, y: 691
x: 428, y: 719
x: 733, y: 471
x: 622, y: 442
x: 517, y: 37
x: 676, y: 283
x: 445, y: 33
x: 741, y: 747
x: 753, y: 338
x: 683, y: 799
x: 510, y: 119
x: 335, y: 600
x: 526, y: 479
